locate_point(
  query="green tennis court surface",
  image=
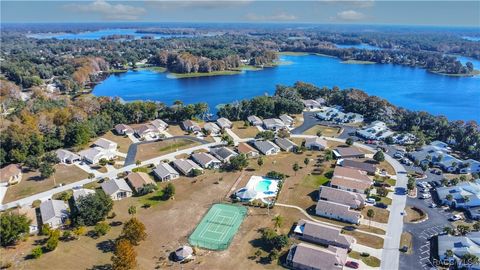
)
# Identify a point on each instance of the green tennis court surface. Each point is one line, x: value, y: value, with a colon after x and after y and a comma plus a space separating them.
x: 218, y: 227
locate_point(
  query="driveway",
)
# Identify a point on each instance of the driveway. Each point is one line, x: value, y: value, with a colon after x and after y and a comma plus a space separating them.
x: 132, y: 150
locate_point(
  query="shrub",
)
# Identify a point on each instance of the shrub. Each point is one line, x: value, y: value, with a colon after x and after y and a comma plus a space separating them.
x: 52, y: 241
x: 276, y: 175
x: 37, y: 252
x: 101, y: 228
x: 364, y: 254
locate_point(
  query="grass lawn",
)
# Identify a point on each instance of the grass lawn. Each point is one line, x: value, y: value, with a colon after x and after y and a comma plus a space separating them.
x: 243, y: 131
x: 406, y: 240
x: 123, y: 141
x: 32, y: 184
x: 381, y: 215
x: 153, y: 198
x: 176, y: 130
x: 413, y: 214
x: 326, y: 131
x: 204, y: 74
x: 247, y: 67
x: 155, y: 149
x: 366, y: 239
x: 387, y: 167
x: 370, y: 260
x: 314, y: 181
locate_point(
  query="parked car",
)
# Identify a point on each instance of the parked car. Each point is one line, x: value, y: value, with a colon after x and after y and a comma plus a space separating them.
x: 398, y: 155
x: 456, y: 217
x: 424, y: 190
x: 381, y: 205
x: 433, y: 205
x: 437, y: 183
x: 351, y: 264
x: 370, y: 200
x: 425, y: 196
x: 400, y: 191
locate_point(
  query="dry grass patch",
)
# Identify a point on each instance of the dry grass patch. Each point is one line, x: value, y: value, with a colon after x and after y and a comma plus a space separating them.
x: 32, y: 183
x: 123, y: 141
x: 414, y: 214
x: 366, y: 239
x: 176, y: 130
x: 155, y: 149
x: 381, y: 215
x: 325, y: 130
x: 243, y: 131
x: 368, y: 260
x: 406, y: 240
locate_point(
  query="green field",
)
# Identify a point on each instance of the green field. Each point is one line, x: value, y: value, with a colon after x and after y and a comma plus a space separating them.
x: 218, y: 227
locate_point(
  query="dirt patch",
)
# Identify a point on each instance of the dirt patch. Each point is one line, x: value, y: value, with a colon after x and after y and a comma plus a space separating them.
x: 406, y: 240
x: 243, y: 131
x: 325, y: 130
x: 381, y: 215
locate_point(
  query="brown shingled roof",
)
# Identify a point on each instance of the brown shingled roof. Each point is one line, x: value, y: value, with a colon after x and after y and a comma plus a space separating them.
x: 350, y: 178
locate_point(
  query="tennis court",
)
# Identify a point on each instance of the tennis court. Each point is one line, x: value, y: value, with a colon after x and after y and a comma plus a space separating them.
x: 218, y: 227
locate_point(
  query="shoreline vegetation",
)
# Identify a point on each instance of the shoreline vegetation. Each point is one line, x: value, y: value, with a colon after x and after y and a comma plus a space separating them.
x: 357, y: 62
x: 202, y: 74
x: 471, y: 74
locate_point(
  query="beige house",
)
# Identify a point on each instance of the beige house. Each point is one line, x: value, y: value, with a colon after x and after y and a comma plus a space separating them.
x: 352, y: 199
x: 350, y: 179
x: 309, y: 257
x: 317, y: 233
x: 10, y: 175
x: 337, y: 211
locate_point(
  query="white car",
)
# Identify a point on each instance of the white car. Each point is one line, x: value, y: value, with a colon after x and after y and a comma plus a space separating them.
x: 425, y: 196
x: 456, y: 217
x: 370, y: 200
x: 433, y: 205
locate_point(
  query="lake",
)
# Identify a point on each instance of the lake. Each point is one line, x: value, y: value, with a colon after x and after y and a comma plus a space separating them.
x: 362, y: 46
x: 412, y: 88
x: 94, y: 35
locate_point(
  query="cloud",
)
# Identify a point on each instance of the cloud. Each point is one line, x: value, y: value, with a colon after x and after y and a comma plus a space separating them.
x: 198, y: 4
x: 281, y: 16
x: 350, y: 15
x: 356, y: 3
x: 109, y: 11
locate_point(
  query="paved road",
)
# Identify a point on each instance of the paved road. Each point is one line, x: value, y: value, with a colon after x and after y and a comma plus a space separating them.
x: 132, y: 150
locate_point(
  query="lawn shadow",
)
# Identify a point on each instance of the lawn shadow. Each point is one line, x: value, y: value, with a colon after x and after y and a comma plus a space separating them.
x: 313, y: 195
x: 101, y: 267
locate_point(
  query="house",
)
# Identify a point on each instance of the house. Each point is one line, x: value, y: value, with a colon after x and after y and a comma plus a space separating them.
x: 287, y: 120
x: 352, y: 199
x: 123, y: 129
x: 317, y: 233
x: 159, y: 124
x: 165, y: 172
x: 223, y: 153
x: 31, y: 214
x: 54, y: 213
x: 224, y: 123
x: 206, y: 160
x: 81, y: 192
x: 336, y: 115
x: 348, y: 152
x: 106, y: 144
x: 311, y: 104
x: 377, y: 130
x: 309, y: 257
x: 459, y: 246
x: 138, y: 180
x: 315, y: 143
x: 212, y: 128
x: 404, y: 138
x: 247, y: 150
x: 273, y: 124
x: 147, y: 132
x: 95, y: 154
x: 337, y: 211
x: 350, y: 180
x: 186, y: 166
x: 464, y: 195
x: 286, y: 145
x: 470, y: 166
x: 369, y: 168
x: 190, y: 126
x: 117, y: 189
x: 66, y: 156
x: 10, y: 175
x: 183, y: 253
x: 254, y: 120
x: 266, y: 147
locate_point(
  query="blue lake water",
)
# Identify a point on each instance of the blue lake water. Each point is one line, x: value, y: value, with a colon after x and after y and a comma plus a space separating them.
x: 93, y: 35
x: 359, y: 46
x: 412, y: 88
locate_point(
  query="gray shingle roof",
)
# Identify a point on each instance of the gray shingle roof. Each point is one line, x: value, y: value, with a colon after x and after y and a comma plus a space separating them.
x: 285, y: 144
x: 264, y: 146
x: 223, y: 153
x: 112, y: 186
x: 204, y: 159
x: 164, y: 169
x: 52, y: 208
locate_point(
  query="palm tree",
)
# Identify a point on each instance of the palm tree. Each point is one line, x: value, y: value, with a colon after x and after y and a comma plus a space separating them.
x: 449, y: 253
x: 448, y: 230
x: 370, y: 215
x: 295, y: 167
x: 277, y: 221
x: 132, y: 210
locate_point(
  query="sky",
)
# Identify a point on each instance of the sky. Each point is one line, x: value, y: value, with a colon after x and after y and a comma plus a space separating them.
x: 431, y: 13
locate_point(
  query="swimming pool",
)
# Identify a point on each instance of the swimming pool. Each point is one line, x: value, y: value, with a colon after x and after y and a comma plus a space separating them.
x: 263, y: 186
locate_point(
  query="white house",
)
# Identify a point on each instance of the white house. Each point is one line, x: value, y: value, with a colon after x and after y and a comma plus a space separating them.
x: 267, y: 147
x: 311, y: 105
x: 212, y: 128
x: 186, y: 166
x: 224, y: 122
x: 165, y: 172
x: 316, y: 143
x: 81, y: 192
x: 10, y: 174
x: 123, y: 129
x: 147, y: 132
x: 287, y: 120
x: 117, y: 189
x: 206, y: 160
x: 159, y: 124
x: 106, y: 144
x: 54, y: 213
x: 67, y: 157
x: 273, y: 124
x: 337, y: 211
x: 223, y: 153
x: 95, y: 154
x: 254, y: 120
x: 377, y: 130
